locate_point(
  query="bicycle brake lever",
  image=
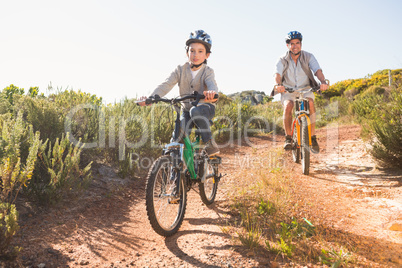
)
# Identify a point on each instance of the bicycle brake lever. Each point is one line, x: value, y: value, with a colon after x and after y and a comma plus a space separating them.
x: 198, y: 97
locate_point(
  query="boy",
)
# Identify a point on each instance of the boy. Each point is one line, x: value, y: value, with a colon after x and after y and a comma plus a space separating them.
x: 192, y: 76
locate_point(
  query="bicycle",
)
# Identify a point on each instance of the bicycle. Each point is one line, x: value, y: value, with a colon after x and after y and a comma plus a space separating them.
x: 183, y: 163
x: 301, y: 129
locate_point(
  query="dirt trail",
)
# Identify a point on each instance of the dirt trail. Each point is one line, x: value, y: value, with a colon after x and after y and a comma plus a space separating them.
x: 108, y: 227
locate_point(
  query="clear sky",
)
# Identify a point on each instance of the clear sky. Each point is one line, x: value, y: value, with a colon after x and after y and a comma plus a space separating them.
x: 125, y: 48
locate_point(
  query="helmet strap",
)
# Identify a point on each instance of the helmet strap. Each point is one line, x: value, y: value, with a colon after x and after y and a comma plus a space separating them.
x: 296, y: 54
x: 196, y: 65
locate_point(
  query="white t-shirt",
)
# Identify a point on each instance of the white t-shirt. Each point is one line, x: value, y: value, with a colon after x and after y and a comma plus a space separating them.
x: 194, y: 73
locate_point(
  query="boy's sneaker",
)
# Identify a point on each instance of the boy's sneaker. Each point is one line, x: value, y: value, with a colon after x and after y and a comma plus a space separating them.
x: 211, y: 148
x: 314, y: 145
x: 288, y: 143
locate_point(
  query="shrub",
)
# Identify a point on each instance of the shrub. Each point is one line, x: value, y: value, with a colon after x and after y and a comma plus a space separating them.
x: 44, y: 116
x: 373, y: 90
x: 59, y: 173
x: 8, y: 228
x: 81, y: 112
x: 351, y: 93
x: 12, y: 92
x: 235, y: 119
x: 380, y: 116
x: 15, y: 172
x: 387, y: 128
x: 135, y: 133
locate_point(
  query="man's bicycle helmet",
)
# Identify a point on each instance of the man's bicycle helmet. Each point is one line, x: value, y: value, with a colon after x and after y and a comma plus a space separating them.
x: 202, y: 37
x: 293, y: 35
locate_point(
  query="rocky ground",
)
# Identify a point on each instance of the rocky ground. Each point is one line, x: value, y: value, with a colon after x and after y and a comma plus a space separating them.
x: 108, y: 226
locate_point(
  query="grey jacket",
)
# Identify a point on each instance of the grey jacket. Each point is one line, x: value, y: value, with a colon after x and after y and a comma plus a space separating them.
x: 204, y: 81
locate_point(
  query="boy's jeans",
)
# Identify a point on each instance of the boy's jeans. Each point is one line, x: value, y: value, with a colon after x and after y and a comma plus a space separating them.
x: 199, y: 116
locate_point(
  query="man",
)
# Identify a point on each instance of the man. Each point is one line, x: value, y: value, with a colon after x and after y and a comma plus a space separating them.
x: 296, y: 70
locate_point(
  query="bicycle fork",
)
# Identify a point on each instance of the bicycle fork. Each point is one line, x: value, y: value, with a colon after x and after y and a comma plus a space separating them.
x: 297, y: 122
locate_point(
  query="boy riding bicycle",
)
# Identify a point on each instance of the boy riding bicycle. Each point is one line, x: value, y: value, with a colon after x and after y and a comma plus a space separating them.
x: 295, y: 70
x: 192, y: 76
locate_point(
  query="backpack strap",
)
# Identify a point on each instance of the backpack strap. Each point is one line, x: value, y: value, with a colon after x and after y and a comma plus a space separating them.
x: 304, y: 61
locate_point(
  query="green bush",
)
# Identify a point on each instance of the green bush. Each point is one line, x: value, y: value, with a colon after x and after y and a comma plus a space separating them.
x: 8, y: 228
x: 233, y: 120
x: 44, y: 116
x: 58, y: 173
x: 387, y: 128
x: 135, y: 132
x: 81, y: 113
x: 380, y: 117
x: 351, y: 86
x: 373, y: 90
x: 15, y: 172
x: 12, y: 92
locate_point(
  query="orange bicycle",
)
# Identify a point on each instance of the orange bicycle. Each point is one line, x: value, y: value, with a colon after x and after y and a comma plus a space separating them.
x: 301, y: 129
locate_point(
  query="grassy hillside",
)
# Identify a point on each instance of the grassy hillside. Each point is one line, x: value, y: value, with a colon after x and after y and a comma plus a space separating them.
x: 48, y: 143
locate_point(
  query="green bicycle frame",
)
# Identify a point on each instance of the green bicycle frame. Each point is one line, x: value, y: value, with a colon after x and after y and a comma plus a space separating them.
x: 188, y: 155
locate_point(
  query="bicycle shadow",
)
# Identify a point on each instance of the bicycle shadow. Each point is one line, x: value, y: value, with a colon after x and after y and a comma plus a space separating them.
x: 369, y: 248
x: 214, y: 246
x: 172, y: 244
x: 216, y: 253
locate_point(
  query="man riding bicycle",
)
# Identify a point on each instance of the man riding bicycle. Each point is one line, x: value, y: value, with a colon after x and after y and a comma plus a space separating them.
x: 296, y: 69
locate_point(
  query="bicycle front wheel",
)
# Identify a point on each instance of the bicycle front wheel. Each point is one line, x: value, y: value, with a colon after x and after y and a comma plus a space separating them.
x: 165, y: 202
x: 296, y: 147
x: 305, y: 147
x: 209, y: 184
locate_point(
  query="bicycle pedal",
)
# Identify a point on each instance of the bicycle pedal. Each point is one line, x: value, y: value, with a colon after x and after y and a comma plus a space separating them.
x: 174, y: 200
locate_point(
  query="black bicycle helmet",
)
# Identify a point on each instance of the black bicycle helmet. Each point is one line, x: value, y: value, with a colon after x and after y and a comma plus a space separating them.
x: 293, y: 35
x: 202, y: 37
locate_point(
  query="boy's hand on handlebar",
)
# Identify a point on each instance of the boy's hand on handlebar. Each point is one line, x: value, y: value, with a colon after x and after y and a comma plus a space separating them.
x: 210, y: 96
x: 141, y: 101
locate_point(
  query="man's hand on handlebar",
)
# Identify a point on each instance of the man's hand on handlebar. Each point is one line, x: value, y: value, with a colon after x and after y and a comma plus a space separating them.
x: 280, y: 88
x: 324, y: 87
x: 210, y: 96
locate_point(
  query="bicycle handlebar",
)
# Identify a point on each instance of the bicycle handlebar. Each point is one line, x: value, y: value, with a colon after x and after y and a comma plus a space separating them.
x: 195, y: 96
x: 312, y: 89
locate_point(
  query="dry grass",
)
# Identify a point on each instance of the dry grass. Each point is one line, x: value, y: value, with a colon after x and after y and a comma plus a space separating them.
x: 271, y: 217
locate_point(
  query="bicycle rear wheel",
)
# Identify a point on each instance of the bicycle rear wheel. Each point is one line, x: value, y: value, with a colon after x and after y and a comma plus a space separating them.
x: 165, y: 203
x: 209, y: 184
x: 305, y: 147
x: 295, y: 147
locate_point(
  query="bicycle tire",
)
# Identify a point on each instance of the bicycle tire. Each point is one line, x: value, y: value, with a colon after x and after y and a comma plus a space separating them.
x: 305, y: 147
x: 209, y: 187
x: 296, y: 147
x: 165, y: 210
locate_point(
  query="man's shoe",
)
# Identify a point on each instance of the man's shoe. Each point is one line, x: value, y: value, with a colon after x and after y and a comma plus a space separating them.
x: 314, y: 145
x: 288, y: 143
x: 211, y: 148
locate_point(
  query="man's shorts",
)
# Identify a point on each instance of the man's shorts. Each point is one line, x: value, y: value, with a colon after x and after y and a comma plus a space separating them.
x: 292, y: 96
